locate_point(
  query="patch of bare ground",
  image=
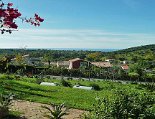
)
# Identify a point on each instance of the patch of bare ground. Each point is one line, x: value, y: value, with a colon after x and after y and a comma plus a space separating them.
x: 33, y: 110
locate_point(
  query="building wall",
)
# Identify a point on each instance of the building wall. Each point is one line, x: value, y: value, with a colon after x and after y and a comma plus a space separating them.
x: 74, y: 64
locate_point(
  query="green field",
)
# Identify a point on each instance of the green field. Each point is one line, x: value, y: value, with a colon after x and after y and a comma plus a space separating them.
x: 27, y: 89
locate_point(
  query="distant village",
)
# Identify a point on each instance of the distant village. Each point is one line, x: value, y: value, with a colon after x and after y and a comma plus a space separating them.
x: 112, y: 69
x: 70, y: 64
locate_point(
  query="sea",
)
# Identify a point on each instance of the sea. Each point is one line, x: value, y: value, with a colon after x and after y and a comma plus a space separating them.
x: 69, y: 49
x: 82, y: 49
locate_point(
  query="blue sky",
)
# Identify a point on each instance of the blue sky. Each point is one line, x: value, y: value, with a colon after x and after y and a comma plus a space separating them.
x: 84, y: 24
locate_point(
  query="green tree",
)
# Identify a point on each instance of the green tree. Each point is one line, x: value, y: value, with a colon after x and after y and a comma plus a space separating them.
x: 94, y: 56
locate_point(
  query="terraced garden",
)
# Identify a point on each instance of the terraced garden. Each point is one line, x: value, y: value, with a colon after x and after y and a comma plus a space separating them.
x: 28, y: 89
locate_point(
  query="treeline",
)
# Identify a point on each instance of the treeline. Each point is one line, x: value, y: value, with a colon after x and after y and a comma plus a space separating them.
x: 146, y: 52
x: 141, y: 62
x: 53, y: 55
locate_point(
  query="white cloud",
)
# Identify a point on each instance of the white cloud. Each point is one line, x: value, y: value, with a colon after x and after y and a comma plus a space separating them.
x: 73, y: 38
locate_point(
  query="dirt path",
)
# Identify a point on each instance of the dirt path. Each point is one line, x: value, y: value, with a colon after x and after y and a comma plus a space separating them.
x: 32, y: 110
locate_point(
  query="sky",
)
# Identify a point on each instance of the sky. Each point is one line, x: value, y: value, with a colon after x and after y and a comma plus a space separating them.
x: 95, y: 24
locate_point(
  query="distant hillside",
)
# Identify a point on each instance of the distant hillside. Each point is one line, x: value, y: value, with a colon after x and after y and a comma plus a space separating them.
x: 138, y: 48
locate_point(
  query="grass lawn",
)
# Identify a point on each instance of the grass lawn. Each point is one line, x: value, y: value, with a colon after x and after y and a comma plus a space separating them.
x: 75, y: 98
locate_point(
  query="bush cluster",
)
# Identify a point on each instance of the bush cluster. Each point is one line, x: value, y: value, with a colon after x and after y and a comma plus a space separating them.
x: 123, y: 105
x: 95, y: 87
x: 65, y: 83
x: 5, y: 102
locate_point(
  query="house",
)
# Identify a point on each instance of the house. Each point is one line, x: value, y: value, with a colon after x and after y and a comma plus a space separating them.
x: 26, y: 59
x: 75, y: 63
x: 102, y: 64
x: 124, y: 62
x: 71, y: 64
x: 110, y: 60
x: 125, y: 67
x: 64, y: 64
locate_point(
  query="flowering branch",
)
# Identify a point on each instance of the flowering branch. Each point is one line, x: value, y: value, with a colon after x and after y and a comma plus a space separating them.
x: 8, y: 15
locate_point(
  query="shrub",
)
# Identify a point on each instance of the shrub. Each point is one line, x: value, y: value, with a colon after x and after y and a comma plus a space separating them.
x: 79, y: 84
x: 82, y: 79
x: 57, y: 84
x: 54, y: 78
x: 39, y: 80
x: 65, y: 83
x: 48, y: 77
x: 134, y: 76
x: 56, y: 111
x: 17, y: 77
x: 148, y: 86
x: 5, y: 101
x: 8, y: 77
x: 69, y: 78
x: 95, y: 86
x: 123, y: 105
x: 101, y: 110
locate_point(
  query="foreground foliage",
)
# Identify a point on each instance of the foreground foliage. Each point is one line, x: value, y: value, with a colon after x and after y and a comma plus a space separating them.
x: 8, y: 16
x: 123, y: 105
x: 5, y: 102
x: 56, y: 111
x: 27, y: 89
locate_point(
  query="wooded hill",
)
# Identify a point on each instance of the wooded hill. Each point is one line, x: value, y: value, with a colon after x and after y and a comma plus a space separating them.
x: 138, y: 48
x: 146, y: 52
x: 139, y: 53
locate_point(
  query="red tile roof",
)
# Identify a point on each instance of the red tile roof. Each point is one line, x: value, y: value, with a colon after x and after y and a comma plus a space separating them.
x: 76, y: 59
x: 125, y: 67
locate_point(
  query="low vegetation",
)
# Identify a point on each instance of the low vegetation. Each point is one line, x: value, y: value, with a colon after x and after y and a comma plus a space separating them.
x: 56, y: 111
x: 5, y: 103
x: 65, y: 83
x: 28, y: 89
x: 123, y: 105
x: 108, y: 100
